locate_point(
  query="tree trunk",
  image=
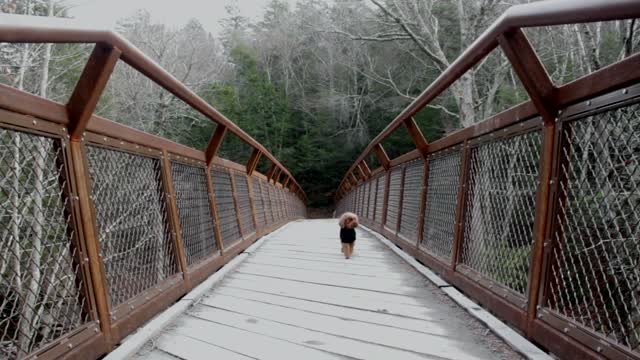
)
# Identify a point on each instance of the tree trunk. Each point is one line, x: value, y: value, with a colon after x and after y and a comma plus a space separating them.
x: 31, y: 317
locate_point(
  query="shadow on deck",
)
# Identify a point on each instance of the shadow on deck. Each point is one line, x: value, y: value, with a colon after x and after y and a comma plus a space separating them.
x: 297, y: 297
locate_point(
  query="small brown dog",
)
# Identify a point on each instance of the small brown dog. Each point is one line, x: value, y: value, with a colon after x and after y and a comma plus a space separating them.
x: 348, y: 222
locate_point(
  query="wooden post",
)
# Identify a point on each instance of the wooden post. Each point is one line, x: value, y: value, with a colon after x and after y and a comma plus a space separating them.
x: 174, y: 217
x: 460, y: 209
x: 276, y: 175
x: 542, y: 92
x: 214, y: 210
x: 274, y: 204
x: 366, y: 169
x: 264, y: 205
x: 354, y: 179
x: 416, y: 136
x: 270, y: 172
x: 385, y: 203
x: 235, y: 202
x: 253, y: 161
x: 253, y: 208
x: 382, y: 156
x: 361, y: 172
x: 401, y: 200
x: 375, y: 201
x: 89, y: 229
x: 271, y: 205
x: 90, y: 86
x: 215, y: 143
x: 423, y: 203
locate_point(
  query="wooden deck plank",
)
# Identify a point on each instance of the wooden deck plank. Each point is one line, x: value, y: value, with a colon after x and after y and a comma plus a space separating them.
x: 294, y: 265
x: 363, y: 315
x: 331, y: 343
x: 297, y: 297
x: 410, y: 285
x: 444, y: 345
x: 244, y: 342
x: 186, y: 347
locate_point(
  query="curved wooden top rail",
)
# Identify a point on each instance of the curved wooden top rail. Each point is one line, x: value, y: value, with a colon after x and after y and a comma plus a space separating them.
x: 544, y: 13
x: 32, y: 29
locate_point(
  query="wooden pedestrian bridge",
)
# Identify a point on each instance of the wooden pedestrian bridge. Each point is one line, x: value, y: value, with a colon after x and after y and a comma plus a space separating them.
x: 517, y: 237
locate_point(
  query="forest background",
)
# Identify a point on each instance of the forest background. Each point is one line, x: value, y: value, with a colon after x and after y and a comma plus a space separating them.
x: 315, y: 81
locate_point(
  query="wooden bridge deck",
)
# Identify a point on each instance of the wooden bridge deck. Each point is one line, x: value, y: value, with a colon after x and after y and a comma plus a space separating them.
x: 297, y: 297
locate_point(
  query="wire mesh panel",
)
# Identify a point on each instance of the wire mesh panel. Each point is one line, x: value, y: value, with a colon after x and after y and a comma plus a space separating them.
x: 283, y: 195
x: 361, y: 198
x: 244, y: 203
x: 443, y: 184
x: 225, y: 204
x: 595, y: 263
x: 135, y: 241
x: 196, y: 220
x: 289, y: 199
x: 285, y: 203
x: 276, y: 203
x: 411, y: 198
x: 380, y: 198
x: 258, y: 201
x: 500, y: 209
x: 285, y: 213
x: 272, y: 201
x: 393, y: 207
x: 367, y: 197
x: 41, y: 283
x: 372, y: 198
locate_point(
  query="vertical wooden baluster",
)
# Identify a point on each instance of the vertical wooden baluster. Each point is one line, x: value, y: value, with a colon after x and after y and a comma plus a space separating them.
x: 423, y: 203
x: 235, y: 202
x: 536, y: 81
x: 214, y: 211
x: 174, y: 217
x: 90, y: 231
x: 385, y: 202
x: 251, y: 203
x: 401, y: 200
x: 460, y: 209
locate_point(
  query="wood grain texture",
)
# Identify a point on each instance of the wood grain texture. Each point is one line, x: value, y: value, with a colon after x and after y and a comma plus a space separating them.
x: 298, y: 295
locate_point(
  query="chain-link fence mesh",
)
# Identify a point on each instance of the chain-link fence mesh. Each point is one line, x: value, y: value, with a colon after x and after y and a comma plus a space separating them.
x: 443, y: 184
x: 372, y: 198
x: 595, y: 262
x: 382, y: 179
x: 411, y: 199
x: 135, y: 241
x: 41, y: 285
x: 277, y: 202
x: 225, y: 204
x: 285, y: 203
x: 393, y: 207
x: 361, y: 199
x: 500, y: 209
x: 356, y: 198
x: 367, y: 196
x: 258, y: 201
x: 194, y: 211
x: 244, y: 203
x: 289, y: 199
x: 272, y: 202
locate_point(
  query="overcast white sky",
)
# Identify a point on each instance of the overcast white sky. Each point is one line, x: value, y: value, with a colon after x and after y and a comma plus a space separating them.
x: 105, y: 13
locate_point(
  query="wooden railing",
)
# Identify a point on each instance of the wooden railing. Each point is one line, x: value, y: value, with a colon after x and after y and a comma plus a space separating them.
x: 533, y: 212
x: 103, y: 226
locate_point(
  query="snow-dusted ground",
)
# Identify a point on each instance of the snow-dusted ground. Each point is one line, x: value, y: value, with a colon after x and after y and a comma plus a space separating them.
x: 297, y: 297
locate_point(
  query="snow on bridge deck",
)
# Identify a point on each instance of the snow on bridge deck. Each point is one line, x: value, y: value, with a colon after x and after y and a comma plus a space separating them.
x: 297, y: 297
